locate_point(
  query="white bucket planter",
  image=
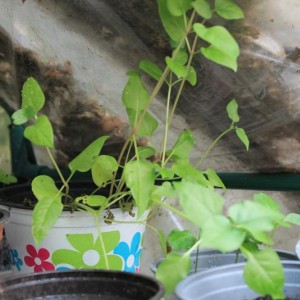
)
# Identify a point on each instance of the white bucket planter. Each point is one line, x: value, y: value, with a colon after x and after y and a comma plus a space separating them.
x: 73, y: 243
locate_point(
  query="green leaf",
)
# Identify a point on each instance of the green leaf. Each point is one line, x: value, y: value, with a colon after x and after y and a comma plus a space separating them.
x: 41, y: 132
x: 178, y: 69
x: 32, y: 96
x: 223, y: 50
x: 146, y: 152
x: 21, y: 116
x: 103, y: 169
x: 256, y: 218
x: 178, y: 7
x: 135, y: 95
x: 172, y: 270
x: 148, y: 125
x: 192, y: 76
x: 6, y: 178
x: 33, y: 100
x: 241, y: 134
x: 267, y: 201
x: 43, y: 187
x: 214, y: 179
x: 181, y: 57
x: 218, y: 232
x: 263, y: 272
x: 151, y: 69
x: 232, y: 111
x: 84, y: 161
x: 183, y: 146
x: 93, y: 200
x: 174, y: 26
x: 48, y: 208
x: 184, y: 169
x: 165, y: 173
x: 228, y: 10
x: 181, y: 240
x: 139, y: 177
x: 203, y: 8
x: 198, y: 202
x: 293, y: 219
x: 162, y: 191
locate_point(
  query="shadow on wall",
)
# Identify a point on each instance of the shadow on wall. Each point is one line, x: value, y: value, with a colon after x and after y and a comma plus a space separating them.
x: 77, y: 119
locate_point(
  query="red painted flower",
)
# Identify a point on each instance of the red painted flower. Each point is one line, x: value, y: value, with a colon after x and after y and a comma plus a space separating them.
x: 38, y: 259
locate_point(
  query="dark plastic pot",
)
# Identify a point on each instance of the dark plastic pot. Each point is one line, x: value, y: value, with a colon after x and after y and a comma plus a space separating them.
x: 210, y: 258
x: 83, y: 284
x: 224, y: 283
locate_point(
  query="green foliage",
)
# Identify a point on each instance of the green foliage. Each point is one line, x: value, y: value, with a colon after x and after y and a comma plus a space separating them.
x: 228, y: 10
x: 139, y: 177
x: 84, y: 161
x: 173, y: 269
x: 265, y: 265
x: 6, y: 178
x: 198, y: 202
x: 223, y: 48
x: 151, y: 69
x: 48, y: 208
x: 244, y: 227
x: 202, y: 8
x: 181, y: 240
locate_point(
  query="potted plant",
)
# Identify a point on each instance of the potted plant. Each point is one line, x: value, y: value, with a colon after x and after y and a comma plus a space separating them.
x: 138, y: 187
x: 143, y: 179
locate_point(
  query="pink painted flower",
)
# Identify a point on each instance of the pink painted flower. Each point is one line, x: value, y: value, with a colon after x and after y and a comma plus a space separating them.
x: 38, y: 259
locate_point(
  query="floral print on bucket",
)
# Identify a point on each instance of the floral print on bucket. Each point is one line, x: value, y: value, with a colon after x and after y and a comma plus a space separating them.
x: 85, y: 252
x: 74, y: 243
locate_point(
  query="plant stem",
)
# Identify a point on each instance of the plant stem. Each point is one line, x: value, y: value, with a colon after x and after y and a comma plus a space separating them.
x: 172, y: 209
x: 101, y: 242
x: 212, y: 145
x: 196, y: 245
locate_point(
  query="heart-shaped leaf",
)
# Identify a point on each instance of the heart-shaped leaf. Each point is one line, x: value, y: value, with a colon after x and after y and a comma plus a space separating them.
x: 229, y: 10
x: 103, y: 169
x: 40, y: 133
x: 32, y: 96
x: 84, y: 161
x: 203, y: 8
x: 223, y: 50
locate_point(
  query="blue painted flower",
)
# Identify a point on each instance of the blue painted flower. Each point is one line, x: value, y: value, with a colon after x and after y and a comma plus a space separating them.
x: 132, y: 254
x: 15, y: 260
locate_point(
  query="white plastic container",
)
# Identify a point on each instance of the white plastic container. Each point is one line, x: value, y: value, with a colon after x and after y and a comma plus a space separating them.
x: 73, y: 243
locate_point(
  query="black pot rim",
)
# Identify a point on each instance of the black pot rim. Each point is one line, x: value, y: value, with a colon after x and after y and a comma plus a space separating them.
x: 141, y: 280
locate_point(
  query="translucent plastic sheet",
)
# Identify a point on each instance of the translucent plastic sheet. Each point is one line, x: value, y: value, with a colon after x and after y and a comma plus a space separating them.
x: 266, y: 85
x: 92, y: 44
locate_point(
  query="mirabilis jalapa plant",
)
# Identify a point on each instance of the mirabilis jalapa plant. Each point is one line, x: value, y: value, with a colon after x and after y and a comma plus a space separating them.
x: 156, y: 172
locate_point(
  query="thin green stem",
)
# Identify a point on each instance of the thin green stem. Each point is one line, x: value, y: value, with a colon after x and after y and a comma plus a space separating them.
x: 212, y: 145
x: 102, y: 242
x: 196, y: 245
x: 165, y: 138
x: 172, y: 209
